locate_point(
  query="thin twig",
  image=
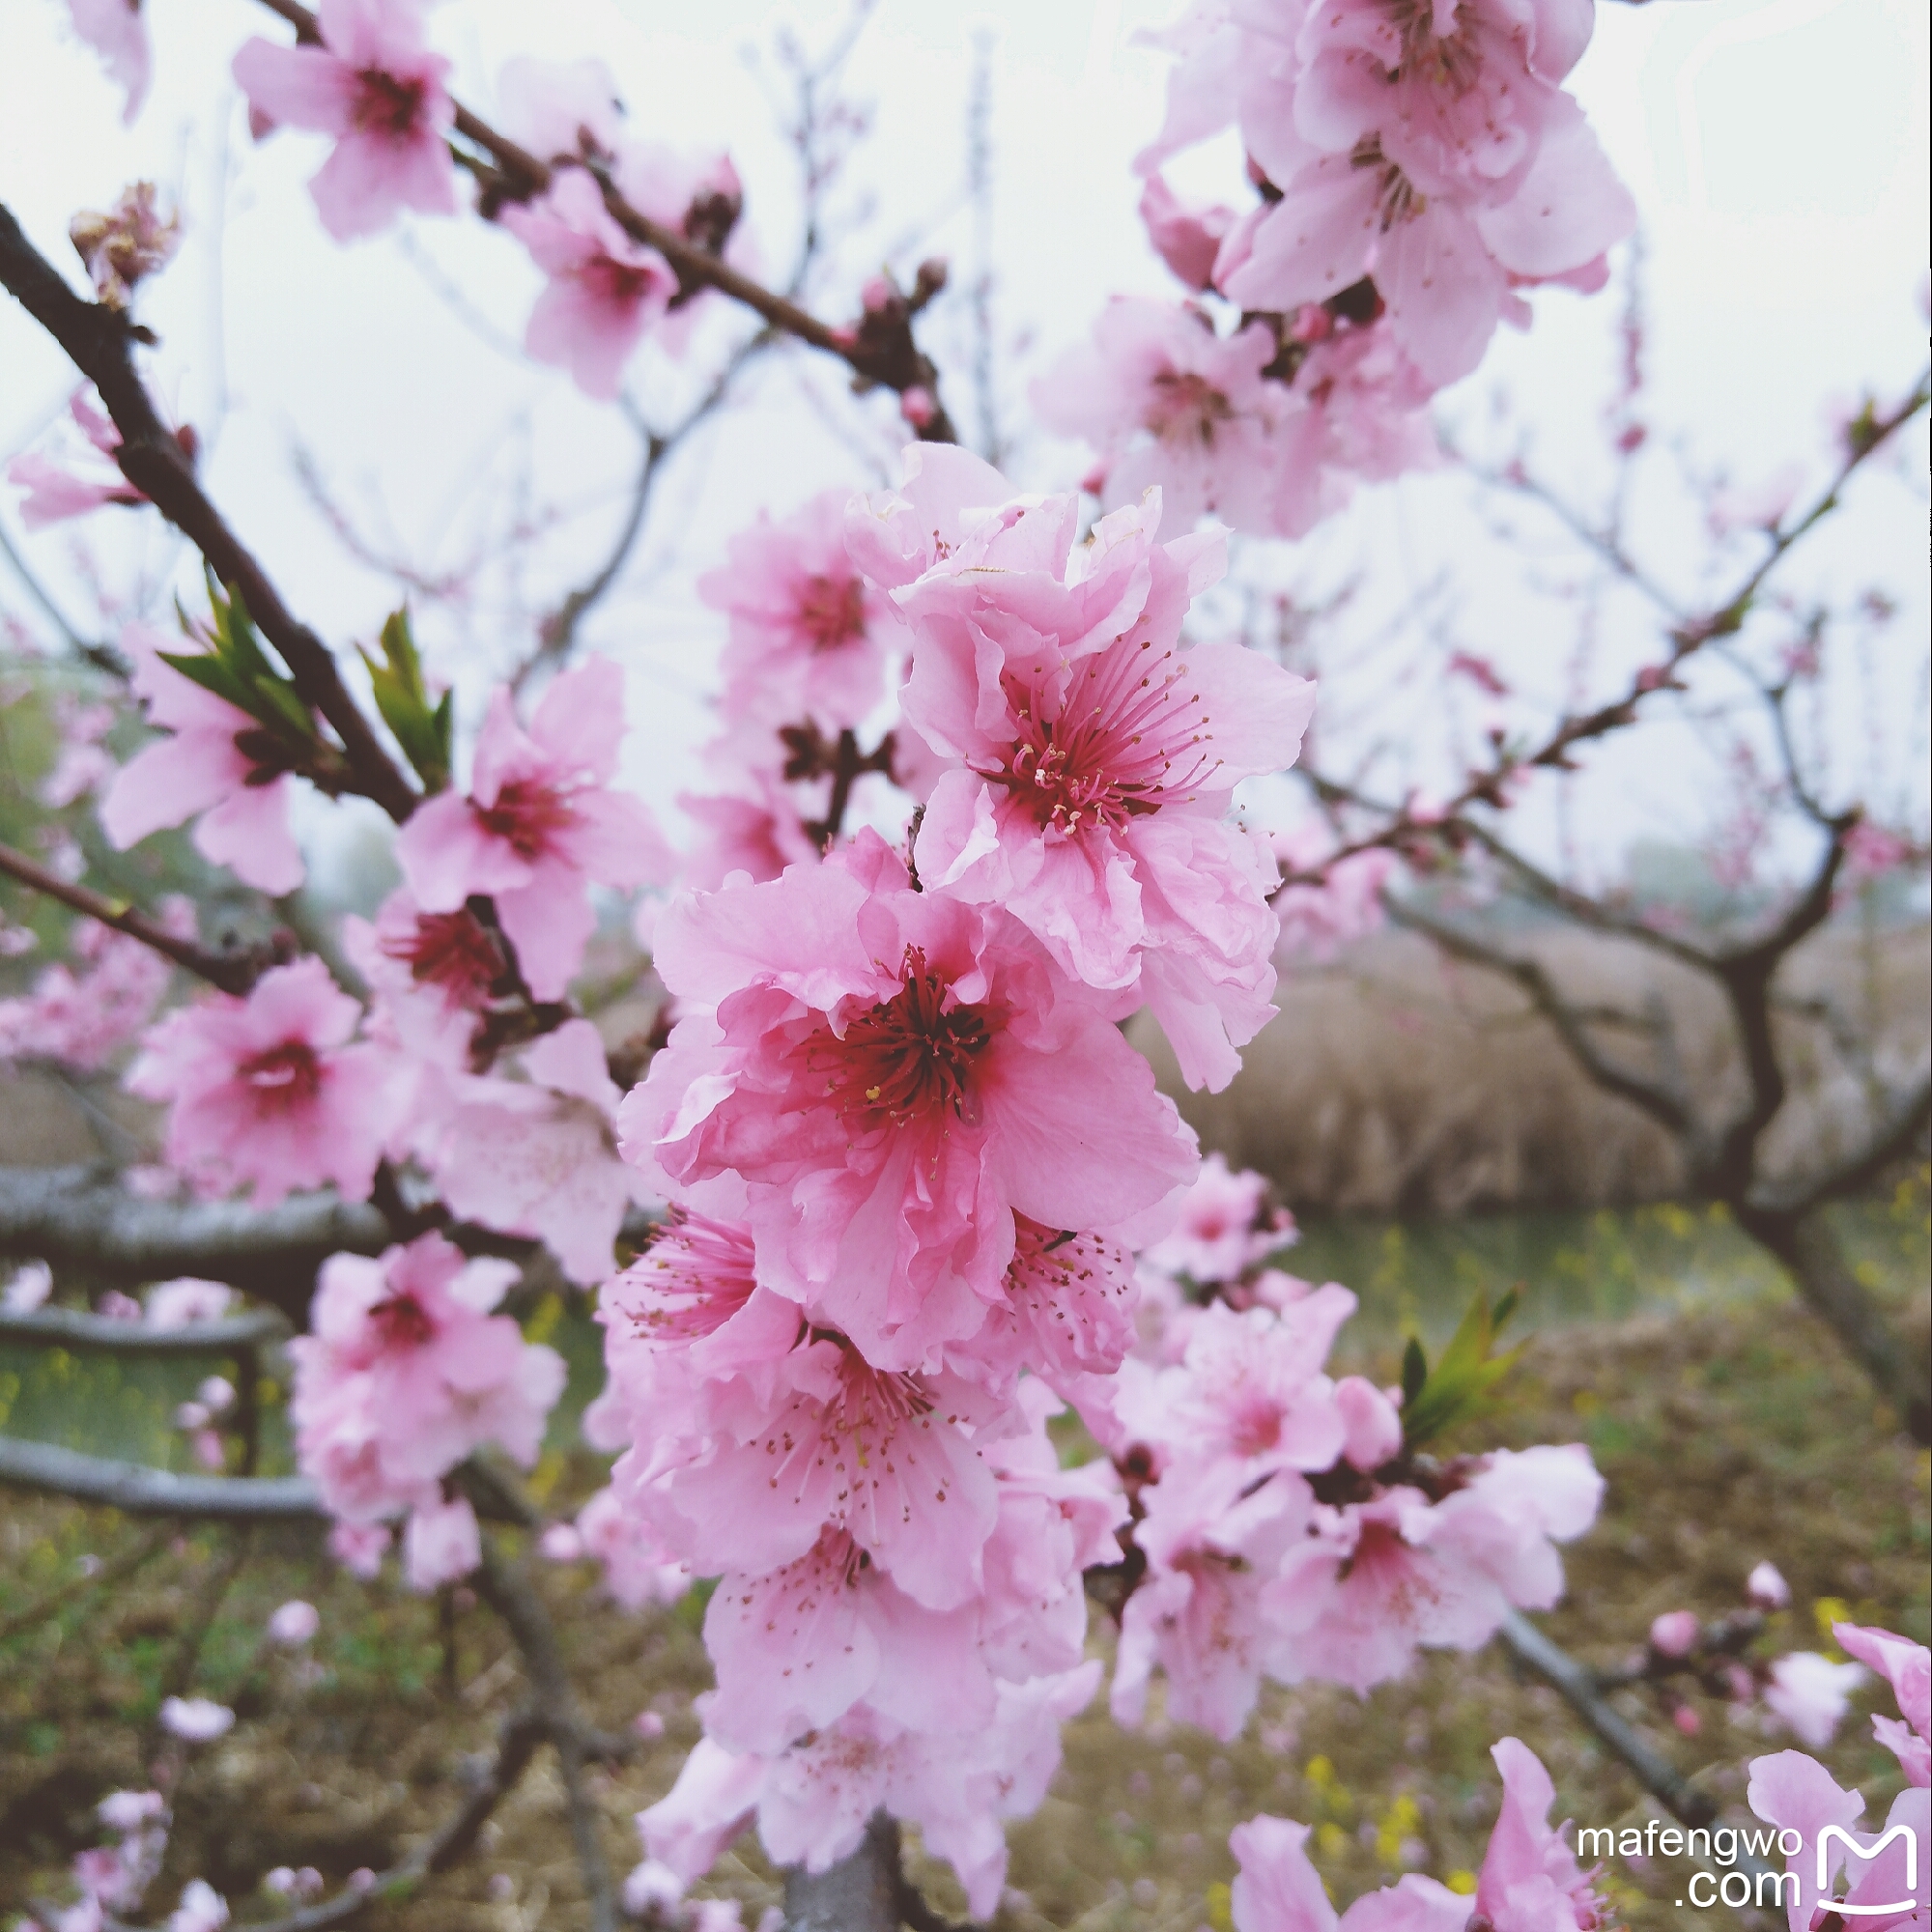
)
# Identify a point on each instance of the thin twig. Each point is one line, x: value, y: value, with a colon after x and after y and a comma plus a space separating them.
x: 231, y: 971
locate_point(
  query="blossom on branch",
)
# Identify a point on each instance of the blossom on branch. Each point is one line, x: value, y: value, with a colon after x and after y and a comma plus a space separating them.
x: 808, y: 636
x: 404, y: 1373
x: 878, y: 1080
x: 379, y: 91
x: 265, y: 1093
x: 56, y: 493
x: 604, y: 289
x: 539, y: 824
x: 242, y: 795
x: 1096, y: 757
x: 1530, y: 1880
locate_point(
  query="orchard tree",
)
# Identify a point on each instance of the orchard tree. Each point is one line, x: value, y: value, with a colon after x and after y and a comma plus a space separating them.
x: 882, y: 1200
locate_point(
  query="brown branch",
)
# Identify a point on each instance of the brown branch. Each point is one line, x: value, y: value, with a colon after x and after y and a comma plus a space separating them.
x: 1670, y: 1109
x: 508, y: 1590
x: 1894, y: 1139
x: 99, y: 341
x: 231, y: 971
x: 885, y: 357
x: 516, y: 1745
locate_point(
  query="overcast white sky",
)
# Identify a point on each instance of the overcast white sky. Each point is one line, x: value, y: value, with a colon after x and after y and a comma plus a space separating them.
x: 1776, y: 149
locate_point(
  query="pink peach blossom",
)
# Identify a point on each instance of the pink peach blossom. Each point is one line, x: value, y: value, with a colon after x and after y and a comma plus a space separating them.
x: 604, y: 289
x: 375, y: 88
x: 83, y: 1019
x: 1096, y: 757
x: 56, y: 493
x: 115, y: 30
x: 1279, y: 1890
x: 809, y: 637
x: 1168, y: 402
x: 200, y: 769
x: 440, y: 1543
x: 1531, y: 1881
x: 878, y: 1080
x: 405, y: 1372
x: 538, y: 1156
x: 265, y: 1093
x: 1907, y: 1668
x: 540, y: 823
x: 1812, y: 1694
x: 1675, y: 1633
x: 1185, y: 235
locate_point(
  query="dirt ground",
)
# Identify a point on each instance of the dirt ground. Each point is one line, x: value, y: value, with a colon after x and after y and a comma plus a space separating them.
x: 1728, y: 1433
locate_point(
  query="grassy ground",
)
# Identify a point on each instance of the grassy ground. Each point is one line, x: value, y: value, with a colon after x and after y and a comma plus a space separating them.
x: 1728, y: 1428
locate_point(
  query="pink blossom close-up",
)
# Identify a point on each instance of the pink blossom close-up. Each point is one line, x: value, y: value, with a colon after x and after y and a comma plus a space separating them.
x: 266, y: 1093
x: 201, y: 771
x: 375, y: 88
x: 604, y: 289
x: 540, y: 823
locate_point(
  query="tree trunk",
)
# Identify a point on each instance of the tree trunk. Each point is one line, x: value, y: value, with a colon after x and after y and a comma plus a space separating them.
x: 860, y: 1894
x: 1812, y: 1254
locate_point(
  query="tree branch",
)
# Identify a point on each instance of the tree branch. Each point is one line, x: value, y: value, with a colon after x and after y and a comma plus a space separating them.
x: 1488, y: 787
x: 883, y: 356
x: 75, y: 1217
x: 231, y: 972
x: 136, y: 1489
x: 1575, y: 1684
x: 101, y: 1335
x: 100, y: 340
x: 1670, y: 1109
x: 516, y: 1745
x: 1892, y: 1142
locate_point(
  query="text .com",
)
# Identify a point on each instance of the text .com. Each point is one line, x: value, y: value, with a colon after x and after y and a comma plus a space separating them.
x: 1736, y: 1885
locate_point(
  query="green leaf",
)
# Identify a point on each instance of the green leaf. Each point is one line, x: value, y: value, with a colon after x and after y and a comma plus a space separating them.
x: 420, y: 728
x: 1414, y: 1372
x: 212, y: 673
x: 1459, y: 1386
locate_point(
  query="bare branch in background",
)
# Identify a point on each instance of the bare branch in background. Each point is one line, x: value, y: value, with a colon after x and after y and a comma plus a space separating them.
x: 1405, y: 831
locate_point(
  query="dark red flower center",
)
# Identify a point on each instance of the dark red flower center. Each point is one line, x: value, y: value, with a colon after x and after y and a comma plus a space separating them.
x: 401, y: 1324
x: 1186, y: 408
x: 450, y: 950
x: 288, y: 1075
x: 528, y: 814
x: 832, y: 612
x: 1128, y: 736
x: 387, y: 105
x: 909, y: 1058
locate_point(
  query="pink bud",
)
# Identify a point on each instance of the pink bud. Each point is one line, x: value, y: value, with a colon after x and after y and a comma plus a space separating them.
x: 295, y: 1623
x: 917, y: 406
x: 560, y: 1543
x: 1675, y: 1633
x: 648, y: 1725
x: 1687, y: 1720
x: 1372, y: 1430
x: 1767, y: 1589
x: 877, y: 295
x: 1311, y: 323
